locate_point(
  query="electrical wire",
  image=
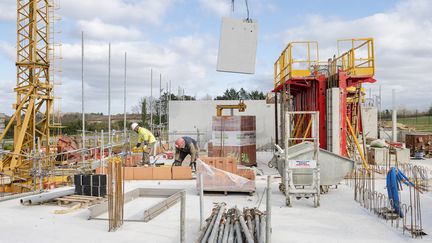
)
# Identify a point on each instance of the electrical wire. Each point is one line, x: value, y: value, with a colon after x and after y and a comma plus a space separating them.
x: 247, y: 9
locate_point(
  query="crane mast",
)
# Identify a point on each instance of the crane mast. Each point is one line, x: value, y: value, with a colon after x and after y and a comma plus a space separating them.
x: 31, y: 119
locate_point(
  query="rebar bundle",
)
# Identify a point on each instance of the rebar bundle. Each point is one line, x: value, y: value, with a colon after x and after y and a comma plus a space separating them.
x: 233, y: 225
x: 115, y: 193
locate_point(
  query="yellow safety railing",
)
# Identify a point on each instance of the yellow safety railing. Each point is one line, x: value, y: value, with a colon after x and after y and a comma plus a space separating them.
x: 287, y: 66
x: 359, y: 60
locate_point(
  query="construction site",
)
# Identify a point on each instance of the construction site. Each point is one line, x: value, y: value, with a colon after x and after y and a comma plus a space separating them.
x: 310, y: 159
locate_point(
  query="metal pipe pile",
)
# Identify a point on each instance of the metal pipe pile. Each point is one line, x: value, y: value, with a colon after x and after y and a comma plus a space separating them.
x: 233, y: 225
x: 45, y: 197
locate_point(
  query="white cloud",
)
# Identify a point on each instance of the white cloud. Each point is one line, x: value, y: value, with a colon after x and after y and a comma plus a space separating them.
x: 219, y: 7
x: 8, y: 10
x: 224, y: 7
x: 402, y: 40
x: 116, y: 11
x: 8, y: 50
x: 403, y: 46
x: 97, y: 30
x: 7, y: 95
x: 184, y: 60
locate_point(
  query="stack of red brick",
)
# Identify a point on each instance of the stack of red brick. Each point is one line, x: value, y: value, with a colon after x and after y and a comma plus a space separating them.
x: 229, y: 164
x: 155, y: 173
x: 222, y: 174
x: 239, y: 138
x: 133, y: 159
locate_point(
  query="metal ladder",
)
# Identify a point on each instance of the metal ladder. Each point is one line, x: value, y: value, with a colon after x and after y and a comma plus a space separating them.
x: 302, y: 167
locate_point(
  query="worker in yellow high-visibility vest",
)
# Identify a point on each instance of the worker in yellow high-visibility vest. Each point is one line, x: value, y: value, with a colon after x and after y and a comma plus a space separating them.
x: 148, y: 139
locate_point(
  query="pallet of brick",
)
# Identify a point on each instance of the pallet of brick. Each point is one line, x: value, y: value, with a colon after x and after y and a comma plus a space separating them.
x: 129, y: 162
x: 133, y: 160
x: 210, y: 149
x: 234, y: 136
x: 160, y: 149
x: 419, y: 141
x: 246, y: 173
x: 136, y: 158
x: 101, y: 170
x: 218, y: 180
x: 228, y: 164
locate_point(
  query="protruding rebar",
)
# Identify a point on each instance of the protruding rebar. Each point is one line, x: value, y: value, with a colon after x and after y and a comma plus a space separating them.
x: 82, y: 99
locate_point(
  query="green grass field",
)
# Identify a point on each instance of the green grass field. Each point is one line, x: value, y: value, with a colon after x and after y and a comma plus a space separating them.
x: 420, y: 123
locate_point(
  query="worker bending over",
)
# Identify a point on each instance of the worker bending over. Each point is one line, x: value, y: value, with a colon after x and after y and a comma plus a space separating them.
x: 149, y: 140
x: 185, y: 146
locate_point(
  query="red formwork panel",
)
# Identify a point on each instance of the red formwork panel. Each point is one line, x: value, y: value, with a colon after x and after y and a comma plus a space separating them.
x: 310, y: 95
x: 345, y: 80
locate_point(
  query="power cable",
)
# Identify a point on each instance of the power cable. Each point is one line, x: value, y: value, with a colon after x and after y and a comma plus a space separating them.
x: 247, y: 9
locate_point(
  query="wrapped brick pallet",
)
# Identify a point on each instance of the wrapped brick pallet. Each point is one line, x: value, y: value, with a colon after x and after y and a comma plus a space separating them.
x: 234, y: 136
x: 215, y: 179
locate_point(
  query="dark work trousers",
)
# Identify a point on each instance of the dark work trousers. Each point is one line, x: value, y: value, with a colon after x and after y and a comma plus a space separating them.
x: 147, y: 153
x: 183, y: 156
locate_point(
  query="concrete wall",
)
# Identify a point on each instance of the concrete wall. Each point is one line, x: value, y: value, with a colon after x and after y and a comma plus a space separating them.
x: 188, y: 117
x: 386, y: 133
x: 370, y: 119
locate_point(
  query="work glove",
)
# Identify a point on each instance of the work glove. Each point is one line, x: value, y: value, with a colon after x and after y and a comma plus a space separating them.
x: 177, y: 163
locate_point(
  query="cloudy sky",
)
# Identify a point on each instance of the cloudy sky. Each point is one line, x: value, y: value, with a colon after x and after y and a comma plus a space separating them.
x: 179, y: 39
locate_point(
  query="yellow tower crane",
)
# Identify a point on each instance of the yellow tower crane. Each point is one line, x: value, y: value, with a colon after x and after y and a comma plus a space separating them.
x: 31, y: 120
